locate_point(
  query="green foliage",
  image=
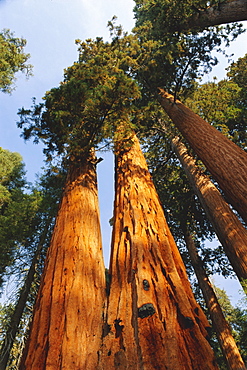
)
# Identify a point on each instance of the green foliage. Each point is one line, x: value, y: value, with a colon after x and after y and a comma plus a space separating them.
x: 15, y: 225
x: 25, y: 269
x: 237, y: 318
x: 12, y: 59
x: 239, y: 324
x: 222, y: 105
x: 177, y: 57
x: 6, y: 311
x: 238, y: 74
x: 23, y: 211
x: 96, y: 96
x: 14, y: 206
x: 170, y: 16
x: 11, y: 174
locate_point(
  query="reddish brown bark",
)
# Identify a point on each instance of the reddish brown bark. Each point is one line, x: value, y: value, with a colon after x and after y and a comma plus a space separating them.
x: 223, y: 12
x: 224, y: 159
x: 152, y: 318
x: 227, y: 343
x: 67, y: 322
x: 228, y: 228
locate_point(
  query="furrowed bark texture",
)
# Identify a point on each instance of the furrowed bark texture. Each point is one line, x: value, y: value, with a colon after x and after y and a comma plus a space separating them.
x: 230, y: 231
x: 67, y: 323
x: 152, y: 319
x: 224, y: 12
x: 227, y: 343
x: 225, y: 160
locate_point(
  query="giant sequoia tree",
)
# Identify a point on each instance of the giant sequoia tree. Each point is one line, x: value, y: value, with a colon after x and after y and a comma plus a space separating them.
x: 67, y: 314
x: 227, y: 226
x: 67, y: 322
x: 152, y: 319
x: 224, y: 159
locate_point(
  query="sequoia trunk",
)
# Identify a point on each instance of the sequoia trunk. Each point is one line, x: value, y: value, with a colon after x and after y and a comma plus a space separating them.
x: 67, y: 322
x: 230, y: 231
x: 152, y: 318
x: 227, y: 343
x: 224, y: 159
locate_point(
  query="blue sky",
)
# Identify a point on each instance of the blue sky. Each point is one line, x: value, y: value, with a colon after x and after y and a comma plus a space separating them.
x: 50, y: 28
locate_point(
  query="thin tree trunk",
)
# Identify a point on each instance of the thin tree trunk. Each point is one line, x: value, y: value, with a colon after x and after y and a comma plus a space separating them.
x: 21, y: 303
x: 224, y: 159
x: 152, y: 319
x: 67, y: 322
x: 221, y: 13
x: 228, y: 228
x: 227, y: 343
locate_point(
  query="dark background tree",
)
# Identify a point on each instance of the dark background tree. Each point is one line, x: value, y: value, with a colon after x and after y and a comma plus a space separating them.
x: 17, y: 210
x: 28, y: 267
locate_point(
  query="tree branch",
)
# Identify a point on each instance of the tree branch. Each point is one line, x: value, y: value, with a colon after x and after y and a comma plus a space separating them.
x: 229, y: 11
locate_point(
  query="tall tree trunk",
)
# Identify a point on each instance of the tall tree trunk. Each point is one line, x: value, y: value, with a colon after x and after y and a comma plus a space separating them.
x: 152, y: 318
x: 67, y: 322
x: 223, y: 12
x: 224, y: 159
x: 21, y: 303
x: 230, y: 231
x: 227, y: 343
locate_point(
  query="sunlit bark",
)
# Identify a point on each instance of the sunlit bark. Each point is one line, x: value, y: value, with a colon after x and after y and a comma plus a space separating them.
x: 67, y: 323
x: 152, y: 319
x: 224, y: 159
